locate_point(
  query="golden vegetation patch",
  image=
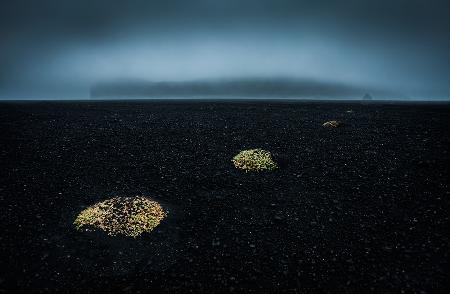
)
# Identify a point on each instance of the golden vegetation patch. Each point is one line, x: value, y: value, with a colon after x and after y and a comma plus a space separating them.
x: 254, y: 160
x: 332, y: 124
x: 129, y: 216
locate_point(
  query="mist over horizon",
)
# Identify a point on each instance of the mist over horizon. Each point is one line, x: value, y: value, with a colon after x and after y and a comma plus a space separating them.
x: 238, y: 88
x: 62, y: 49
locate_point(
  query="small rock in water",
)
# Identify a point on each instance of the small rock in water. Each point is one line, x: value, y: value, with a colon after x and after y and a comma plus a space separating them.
x: 277, y: 217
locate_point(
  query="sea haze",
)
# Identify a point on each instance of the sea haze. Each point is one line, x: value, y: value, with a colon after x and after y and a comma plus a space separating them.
x: 235, y: 88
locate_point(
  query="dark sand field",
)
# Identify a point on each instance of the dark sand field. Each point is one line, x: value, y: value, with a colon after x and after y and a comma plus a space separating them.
x: 361, y: 208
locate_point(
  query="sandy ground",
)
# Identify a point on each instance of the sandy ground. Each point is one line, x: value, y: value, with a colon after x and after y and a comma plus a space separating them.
x: 364, y: 207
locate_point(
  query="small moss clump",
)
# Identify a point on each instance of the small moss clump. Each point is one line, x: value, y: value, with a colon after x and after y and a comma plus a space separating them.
x: 332, y: 124
x: 129, y: 216
x: 254, y: 160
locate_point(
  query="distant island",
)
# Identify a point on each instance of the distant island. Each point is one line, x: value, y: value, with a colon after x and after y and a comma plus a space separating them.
x: 233, y: 88
x: 367, y: 96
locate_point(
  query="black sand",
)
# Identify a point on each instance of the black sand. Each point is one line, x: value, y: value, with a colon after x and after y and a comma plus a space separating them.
x: 361, y: 208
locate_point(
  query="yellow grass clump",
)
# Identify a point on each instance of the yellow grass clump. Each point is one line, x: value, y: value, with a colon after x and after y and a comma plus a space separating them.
x: 129, y: 216
x: 254, y: 160
x: 332, y: 124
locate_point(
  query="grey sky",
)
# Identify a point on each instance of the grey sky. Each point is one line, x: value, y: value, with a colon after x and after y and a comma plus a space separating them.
x: 59, y: 48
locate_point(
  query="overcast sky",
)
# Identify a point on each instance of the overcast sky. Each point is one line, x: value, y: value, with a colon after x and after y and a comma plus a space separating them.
x: 59, y: 48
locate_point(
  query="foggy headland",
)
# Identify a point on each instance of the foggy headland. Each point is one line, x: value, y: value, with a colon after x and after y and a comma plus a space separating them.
x: 231, y: 88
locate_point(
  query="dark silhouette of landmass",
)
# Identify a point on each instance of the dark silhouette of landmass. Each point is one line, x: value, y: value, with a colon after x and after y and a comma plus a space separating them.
x: 270, y: 88
x: 367, y: 96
